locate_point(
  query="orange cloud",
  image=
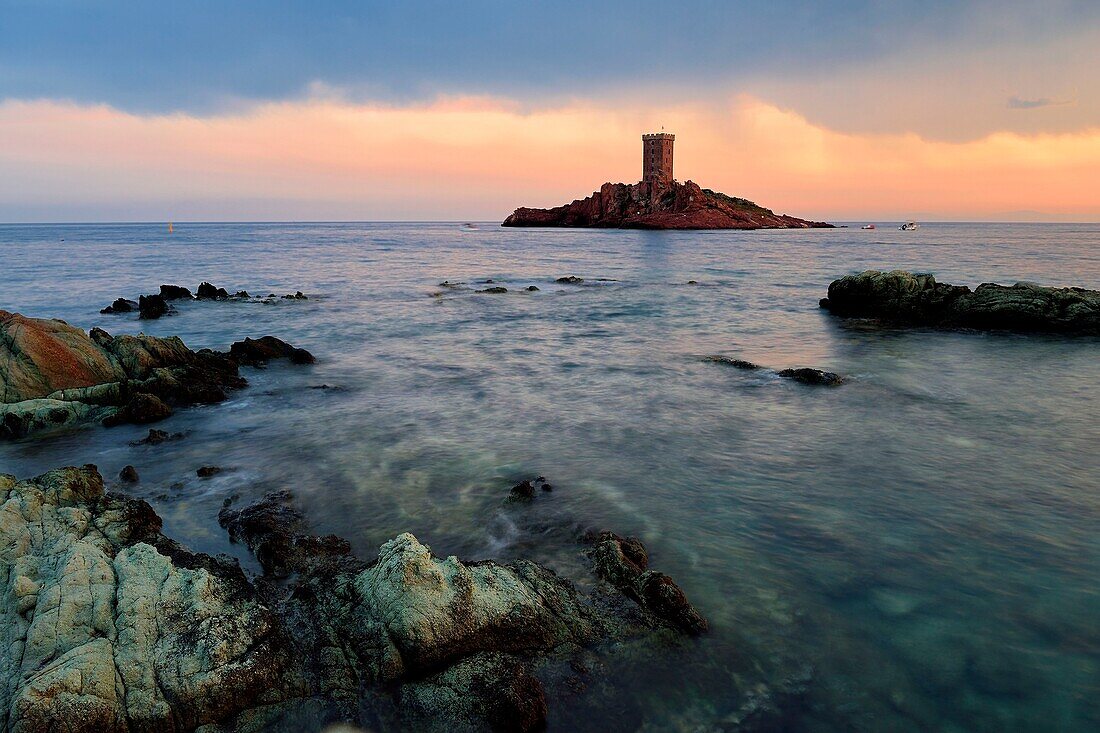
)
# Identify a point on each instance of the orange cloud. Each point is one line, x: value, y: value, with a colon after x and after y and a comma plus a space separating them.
x: 481, y: 157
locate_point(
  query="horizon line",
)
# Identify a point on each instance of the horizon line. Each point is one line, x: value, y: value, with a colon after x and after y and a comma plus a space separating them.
x: 176, y: 222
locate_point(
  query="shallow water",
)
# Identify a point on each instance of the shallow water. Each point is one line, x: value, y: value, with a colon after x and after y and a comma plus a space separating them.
x: 923, y: 541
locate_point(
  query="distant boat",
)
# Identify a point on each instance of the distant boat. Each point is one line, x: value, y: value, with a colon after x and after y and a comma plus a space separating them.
x: 868, y: 226
x: 909, y: 226
x: 468, y: 225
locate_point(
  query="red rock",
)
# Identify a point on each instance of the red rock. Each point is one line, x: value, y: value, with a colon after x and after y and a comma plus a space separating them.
x: 39, y: 356
x: 658, y: 205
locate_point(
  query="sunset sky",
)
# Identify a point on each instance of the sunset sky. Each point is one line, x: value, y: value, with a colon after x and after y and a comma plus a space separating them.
x: 442, y: 110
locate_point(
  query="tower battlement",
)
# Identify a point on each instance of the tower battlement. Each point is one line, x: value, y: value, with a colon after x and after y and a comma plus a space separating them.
x: 657, y: 156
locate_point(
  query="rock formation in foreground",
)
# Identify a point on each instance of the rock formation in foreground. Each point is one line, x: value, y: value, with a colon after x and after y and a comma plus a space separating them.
x: 658, y: 205
x: 53, y: 374
x: 109, y: 626
x: 918, y: 300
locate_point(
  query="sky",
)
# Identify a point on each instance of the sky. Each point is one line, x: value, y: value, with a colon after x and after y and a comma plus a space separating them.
x: 137, y: 111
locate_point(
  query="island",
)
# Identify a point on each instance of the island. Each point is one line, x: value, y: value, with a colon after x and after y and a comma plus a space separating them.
x: 658, y: 201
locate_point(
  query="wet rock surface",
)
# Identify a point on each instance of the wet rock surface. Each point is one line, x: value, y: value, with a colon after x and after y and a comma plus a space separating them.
x: 624, y: 562
x: 54, y: 375
x: 658, y: 205
x: 111, y: 626
x: 911, y: 299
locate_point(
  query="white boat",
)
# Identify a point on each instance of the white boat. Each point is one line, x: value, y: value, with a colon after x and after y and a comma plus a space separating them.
x: 909, y: 226
x: 868, y: 226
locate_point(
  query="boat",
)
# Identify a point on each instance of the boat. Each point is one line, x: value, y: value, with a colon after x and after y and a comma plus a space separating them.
x: 909, y: 226
x: 868, y: 226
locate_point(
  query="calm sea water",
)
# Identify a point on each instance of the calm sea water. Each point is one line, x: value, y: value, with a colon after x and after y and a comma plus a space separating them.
x: 923, y: 543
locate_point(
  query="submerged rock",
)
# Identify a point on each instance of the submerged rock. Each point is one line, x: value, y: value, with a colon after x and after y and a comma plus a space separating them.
x: 523, y: 490
x: 806, y: 375
x: 803, y: 375
x: 156, y: 437
x: 730, y: 361
x: 128, y: 474
x: 208, y: 471
x: 496, y: 289
x: 918, y: 300
x: 570, y: 279
x: 54, y: 375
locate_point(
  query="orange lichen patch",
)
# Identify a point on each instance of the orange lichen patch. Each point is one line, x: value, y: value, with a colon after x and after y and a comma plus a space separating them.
x: 37, y: 358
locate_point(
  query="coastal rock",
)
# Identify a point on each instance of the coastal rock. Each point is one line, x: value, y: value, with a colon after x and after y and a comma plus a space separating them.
x: 207, y: 471
x: 570, y: 279
x: 658, y: 205
x: 496, y: 289
x: 54, y: 375
x: 39, y: 356
x: 128, y: 474
x: 109, y: 626
x: 253, y: 352
x: 623, y: 563
x: 918, y: 300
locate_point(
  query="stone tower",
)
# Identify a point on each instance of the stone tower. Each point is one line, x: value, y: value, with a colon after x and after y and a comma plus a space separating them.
x: 657, y: 157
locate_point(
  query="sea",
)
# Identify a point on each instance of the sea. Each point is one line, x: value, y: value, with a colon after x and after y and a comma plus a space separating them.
x: 915, y: 550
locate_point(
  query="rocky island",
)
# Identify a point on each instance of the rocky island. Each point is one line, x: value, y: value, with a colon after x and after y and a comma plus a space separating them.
x: 658, y: 202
